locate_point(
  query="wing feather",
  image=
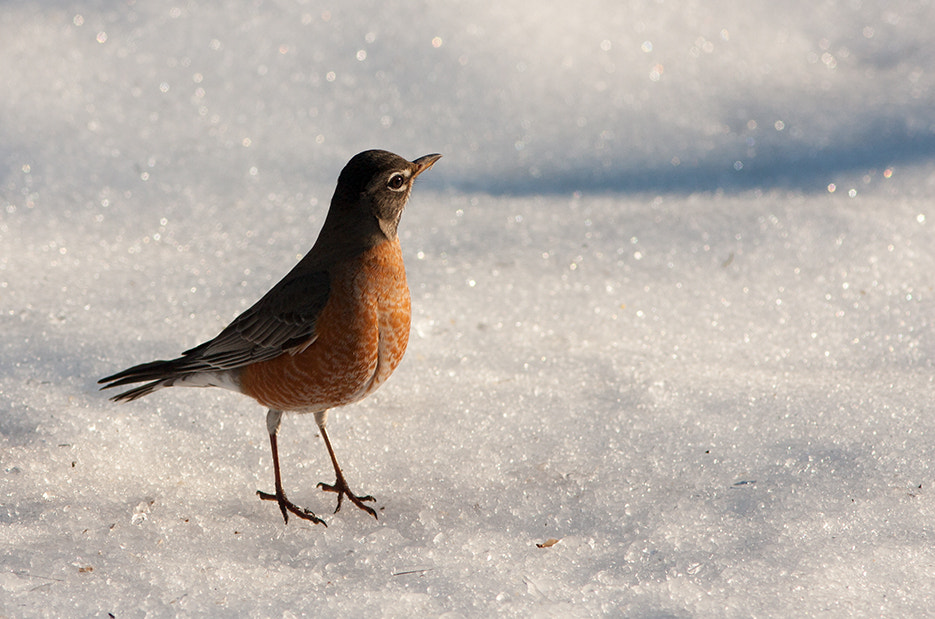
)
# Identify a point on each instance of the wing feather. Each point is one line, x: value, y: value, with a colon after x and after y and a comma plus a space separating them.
x: 285, y: 318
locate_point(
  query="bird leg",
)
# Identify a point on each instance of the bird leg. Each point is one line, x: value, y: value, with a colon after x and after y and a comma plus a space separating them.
x: 285, y: 505
x: 340, y: 484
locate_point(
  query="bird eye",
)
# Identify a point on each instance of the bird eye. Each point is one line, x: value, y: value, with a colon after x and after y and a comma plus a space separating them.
x: 397, y: 182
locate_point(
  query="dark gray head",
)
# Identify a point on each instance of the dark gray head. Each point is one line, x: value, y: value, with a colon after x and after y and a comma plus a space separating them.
x: 377, y: 183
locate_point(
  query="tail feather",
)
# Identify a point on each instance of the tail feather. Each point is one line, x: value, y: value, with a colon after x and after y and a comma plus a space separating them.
x: 139, y: 392
x: 153, y: 370
x: 159, y: 374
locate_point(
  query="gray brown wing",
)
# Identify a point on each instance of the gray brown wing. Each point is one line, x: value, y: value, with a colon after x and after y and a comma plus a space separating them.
x: 284, y: 318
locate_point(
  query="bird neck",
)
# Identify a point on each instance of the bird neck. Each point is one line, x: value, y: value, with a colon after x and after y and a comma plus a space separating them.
x: 344, y: 235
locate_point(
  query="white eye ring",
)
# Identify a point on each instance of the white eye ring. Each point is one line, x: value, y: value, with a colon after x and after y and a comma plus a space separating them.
x: 396, y: 182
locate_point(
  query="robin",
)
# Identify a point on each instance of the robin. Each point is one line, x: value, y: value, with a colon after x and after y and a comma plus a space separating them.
x: 328, y: 334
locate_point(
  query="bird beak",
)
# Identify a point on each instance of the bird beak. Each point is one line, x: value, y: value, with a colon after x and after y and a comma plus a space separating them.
x: 424, y: 163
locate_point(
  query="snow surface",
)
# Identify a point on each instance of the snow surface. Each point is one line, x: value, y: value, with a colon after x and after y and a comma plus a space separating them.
x: 672, y: 289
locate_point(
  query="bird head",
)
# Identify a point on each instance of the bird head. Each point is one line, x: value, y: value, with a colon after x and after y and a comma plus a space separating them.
x: 377, y: 184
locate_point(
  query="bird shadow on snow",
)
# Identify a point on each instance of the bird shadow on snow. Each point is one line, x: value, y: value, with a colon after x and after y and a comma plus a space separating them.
x: 52, y: 379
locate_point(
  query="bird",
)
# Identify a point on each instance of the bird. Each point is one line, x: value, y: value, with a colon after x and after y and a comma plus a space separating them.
x: 328, y: 334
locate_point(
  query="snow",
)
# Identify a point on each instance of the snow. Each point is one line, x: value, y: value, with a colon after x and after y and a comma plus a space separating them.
x: 672, y: 293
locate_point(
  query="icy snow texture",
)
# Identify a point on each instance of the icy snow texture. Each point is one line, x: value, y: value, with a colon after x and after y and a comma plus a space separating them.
x: 644, y: 324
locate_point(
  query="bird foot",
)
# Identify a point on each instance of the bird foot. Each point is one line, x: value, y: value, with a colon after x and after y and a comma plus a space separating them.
x: 286, y: 506
x: 340, y: 487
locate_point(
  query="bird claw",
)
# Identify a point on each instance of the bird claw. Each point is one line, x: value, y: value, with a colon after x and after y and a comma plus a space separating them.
x: 340, y: 487
x: 286, y: 506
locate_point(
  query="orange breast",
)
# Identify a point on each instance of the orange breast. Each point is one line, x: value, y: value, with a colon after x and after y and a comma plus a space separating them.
x: 362, y: 333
